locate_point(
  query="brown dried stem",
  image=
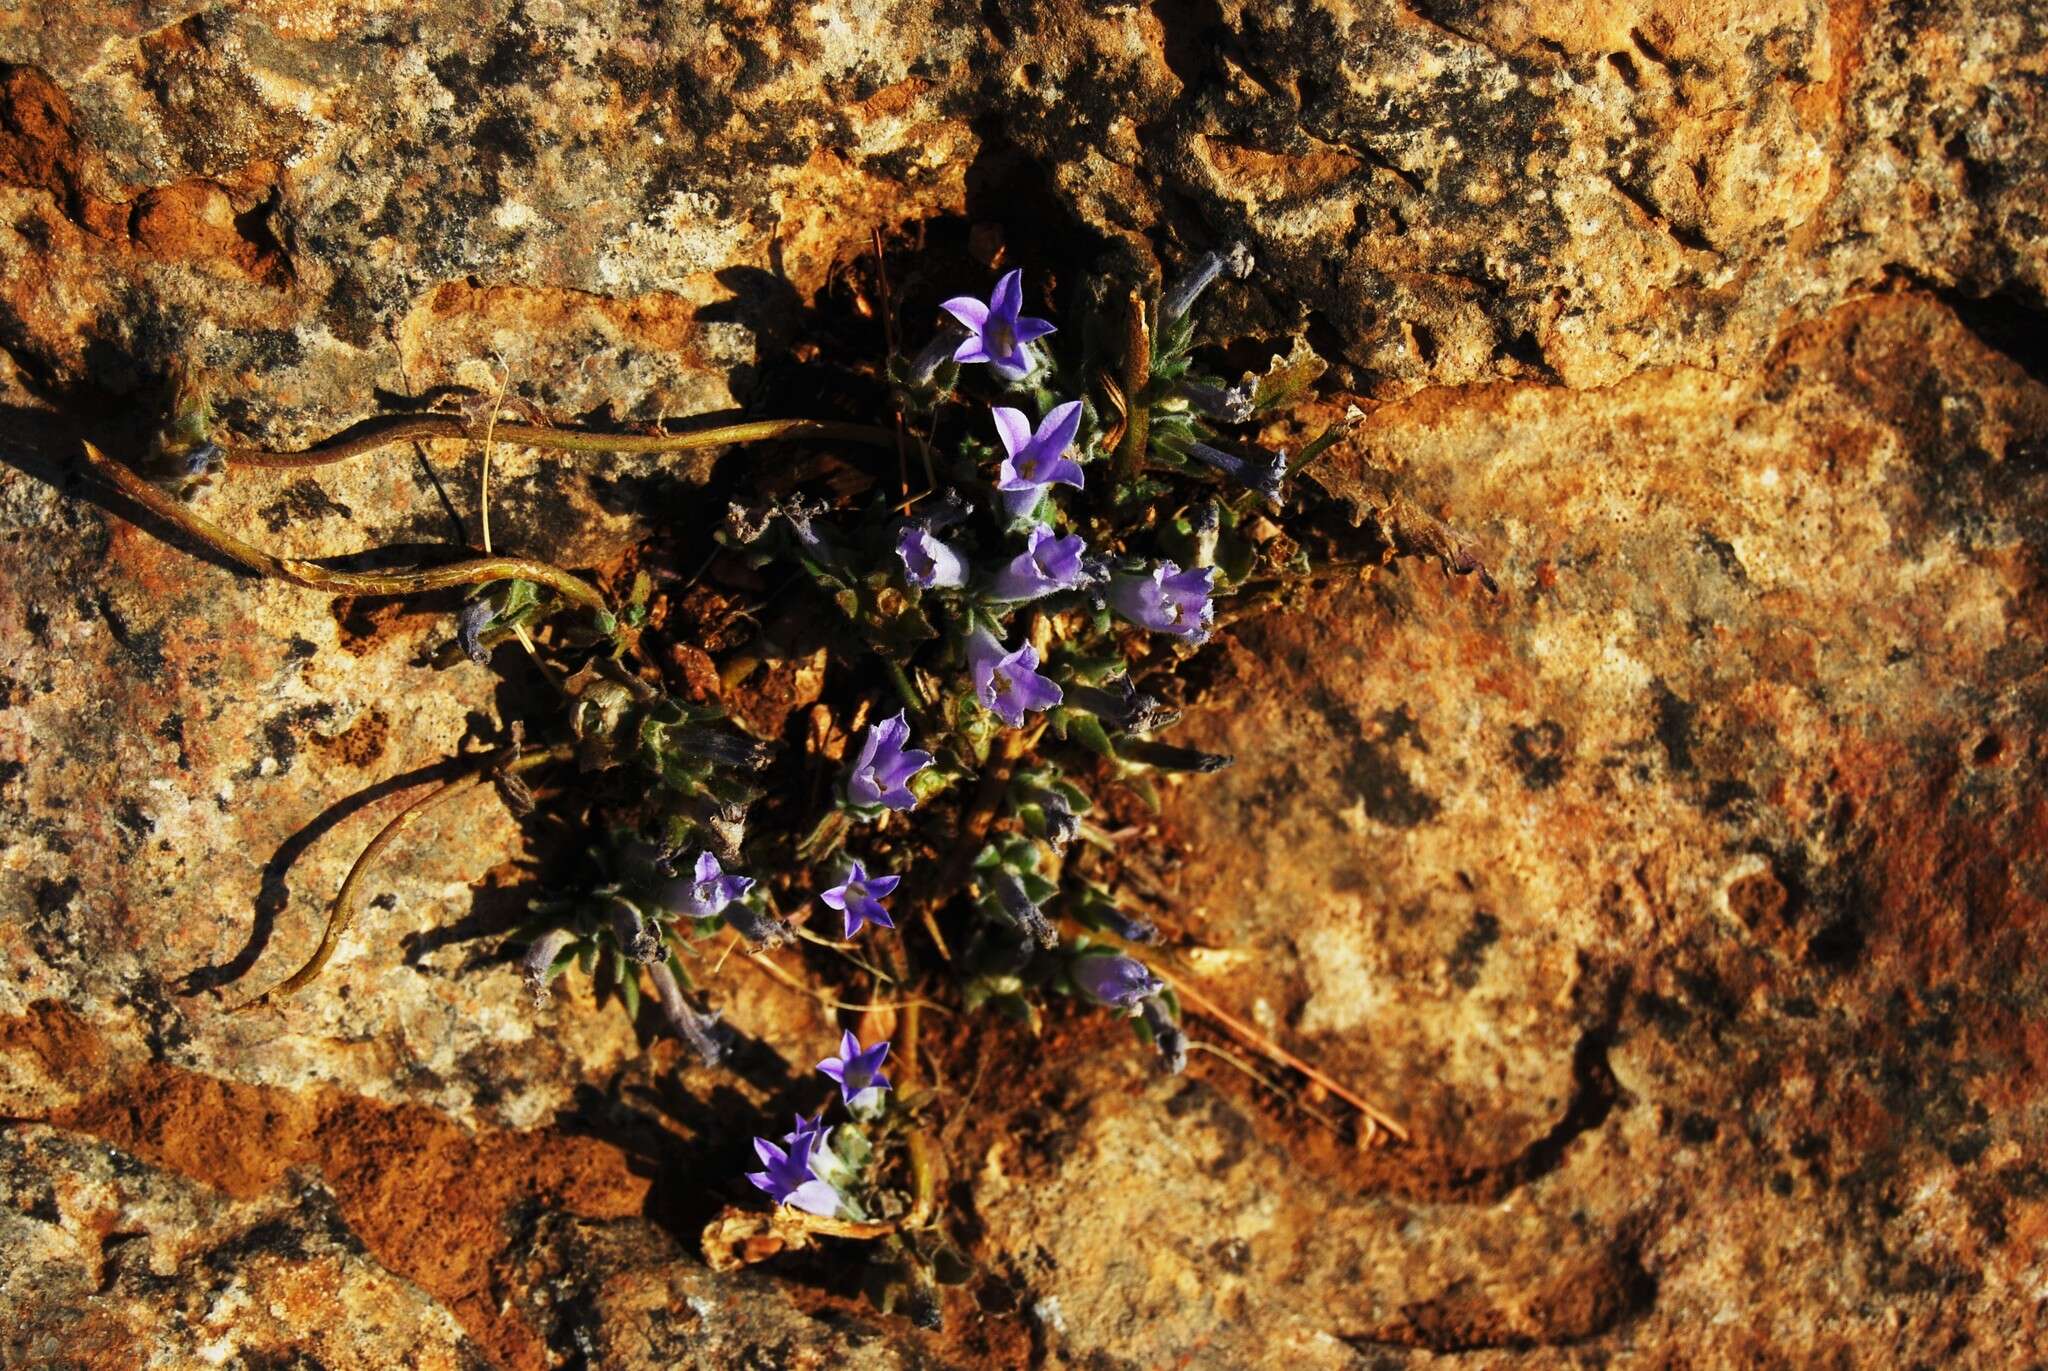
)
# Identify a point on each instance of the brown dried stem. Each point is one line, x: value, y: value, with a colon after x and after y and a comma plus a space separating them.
x: 342, y: 912
x: 1252, y: 1037
x: 298, y: 571
x: 1137, y: 374
x: 379, y: 433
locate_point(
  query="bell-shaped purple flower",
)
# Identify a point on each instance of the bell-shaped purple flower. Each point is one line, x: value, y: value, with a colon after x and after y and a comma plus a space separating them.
x: 927, y: 562
x: 1231, y: 404
x: 1120, y: 707
x: 1037, y: 457
x: 1113, y: 980
x: 882, y: 772
x: 859, y: 897
x: 1023, y: 911
x: 1167, y: 1035
x: 1008, y: 684
x: 705, y: 892
x: 1047, y: 564
x: 700, y: 1031
x: 858, y: 1074
x: 1181, y: 297
x: 470, y: 623
x: 999, y: 332
x: 1166, y: 600
x: 538, y: 965
x: 787, y: 1176
x: 636, y: 935
x: 1262, y: 475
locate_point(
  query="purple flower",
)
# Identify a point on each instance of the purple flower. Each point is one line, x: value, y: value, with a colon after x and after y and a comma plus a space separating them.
x: 1182, y: 296
x: 1119, y: 706
x: 706, y: 892
x: 787, y: 1174
x: 998, y: 333
x: 1047, y: 564
x: 1062, y: 825
x: 1263, y: 477
x: 1166, y: 1036
x: 636, y: 937
x: 1113, y: 980
x: 700, y: 1031
x: 935, y: 354
x: 203, y: 462
x: 927, y: 562
x: 470, y: 624
x: 858, y: 1073
x: 859, y: 897
x: 1231, y: 404
x: 538, y: 965
x: 1008, y: 684
x: 1166, y: 600
x: 1018, y: 906
x: 1036, y: 458
x: 759, y: 929
x: 885, y: 765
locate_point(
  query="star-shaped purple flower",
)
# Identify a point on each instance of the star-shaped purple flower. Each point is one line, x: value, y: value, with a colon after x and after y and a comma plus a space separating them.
x: 1047, y: 564
x: 707, y: 891
x: 1114, y: 981
x: 927, y: 562
x: 787, y: 1174
x: 881, y: 773
x: 998, y: 331
x: 858, y: 1073
x: 859, y: 897
x: 1037, y: 458
x: 1008, y: 684
x: 1166, y: 600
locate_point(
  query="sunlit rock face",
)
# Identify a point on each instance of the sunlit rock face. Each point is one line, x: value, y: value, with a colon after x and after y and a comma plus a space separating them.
x: 1685, y: 900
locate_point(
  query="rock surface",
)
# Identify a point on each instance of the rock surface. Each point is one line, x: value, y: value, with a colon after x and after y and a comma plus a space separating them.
x: 1686, y: 901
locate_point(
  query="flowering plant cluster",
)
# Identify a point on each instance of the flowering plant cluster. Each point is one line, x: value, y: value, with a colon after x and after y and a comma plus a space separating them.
x: 1003, y: 643
x: 803, y: 1170
x: 1073, y: 544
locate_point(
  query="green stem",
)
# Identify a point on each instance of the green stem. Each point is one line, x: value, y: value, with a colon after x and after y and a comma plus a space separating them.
x: 379, y: 433
x: 905, y: 691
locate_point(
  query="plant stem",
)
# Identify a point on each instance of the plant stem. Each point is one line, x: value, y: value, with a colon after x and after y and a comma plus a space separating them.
x: 343, y: 911
x: 300, y: 572
x: 905, y: 691
x: 1137, y: 374
x: 378, y: 433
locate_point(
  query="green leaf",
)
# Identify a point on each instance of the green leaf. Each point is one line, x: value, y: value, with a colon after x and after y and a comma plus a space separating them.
x: 1087, y: 730
x: 1288, y: 377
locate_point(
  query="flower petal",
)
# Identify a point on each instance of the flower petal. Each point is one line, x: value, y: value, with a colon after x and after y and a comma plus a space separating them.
x: 1056, y: 434
x: 968, y: 311
x: 1031, y: 330
x: 1006, y: 302
x: 1012, y: 427
x: 815, y: 1197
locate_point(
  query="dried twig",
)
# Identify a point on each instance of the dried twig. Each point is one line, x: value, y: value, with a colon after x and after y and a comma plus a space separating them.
x: 1252, y: 1037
